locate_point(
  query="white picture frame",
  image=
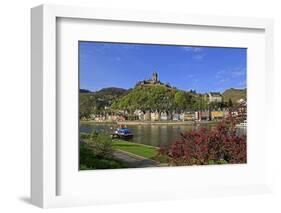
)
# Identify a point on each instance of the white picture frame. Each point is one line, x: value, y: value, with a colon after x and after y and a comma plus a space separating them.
x: 45, y: 178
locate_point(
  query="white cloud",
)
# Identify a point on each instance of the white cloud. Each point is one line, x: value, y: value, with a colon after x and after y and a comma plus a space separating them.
x: 196, y: 52
x: 220, y: 73
x: 193, y: 49
x: 239, y: 71
x: 198, y: 56
x: 223, y: 80
x: 243, y: 84
x: 129, y: 46
x: 190, y: 76
x: 233, y: 72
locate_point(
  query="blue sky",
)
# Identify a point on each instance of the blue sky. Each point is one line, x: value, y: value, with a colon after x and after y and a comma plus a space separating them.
x: 203, y: 69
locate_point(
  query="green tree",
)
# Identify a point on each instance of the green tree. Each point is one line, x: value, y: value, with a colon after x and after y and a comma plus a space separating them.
x: 180, y: 100
x: 147, y: 97
x: 230, y: 104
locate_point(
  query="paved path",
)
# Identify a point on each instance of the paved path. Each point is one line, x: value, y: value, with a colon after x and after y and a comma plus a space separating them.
x: 134, y: 160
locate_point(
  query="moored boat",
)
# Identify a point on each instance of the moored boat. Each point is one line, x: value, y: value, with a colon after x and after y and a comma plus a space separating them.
x: 123, y: 133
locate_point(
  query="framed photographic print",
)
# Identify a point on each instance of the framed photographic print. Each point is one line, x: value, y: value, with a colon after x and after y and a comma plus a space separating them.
x: 151, y: 106
x: 195, y: 115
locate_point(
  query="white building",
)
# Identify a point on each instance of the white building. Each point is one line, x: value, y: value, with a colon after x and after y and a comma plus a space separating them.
x: 155, y: 116
x: 147, y: 116
x: 164, y: 116
x: 214, y: 97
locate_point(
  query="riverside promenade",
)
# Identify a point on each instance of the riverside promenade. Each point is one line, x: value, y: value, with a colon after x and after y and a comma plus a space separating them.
x: 138, y: 122
x: 164, y: 122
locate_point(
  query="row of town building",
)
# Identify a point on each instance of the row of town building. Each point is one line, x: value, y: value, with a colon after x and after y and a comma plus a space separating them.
x: 184, y: 116
x: 163, y: 116
x: 205, y: 115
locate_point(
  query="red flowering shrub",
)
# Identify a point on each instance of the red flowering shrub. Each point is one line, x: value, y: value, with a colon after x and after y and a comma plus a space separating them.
x: 220, y: 144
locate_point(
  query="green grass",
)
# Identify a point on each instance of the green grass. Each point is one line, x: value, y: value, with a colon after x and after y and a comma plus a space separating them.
x: 146, y: 151
x: 149, y: 152
x: 142, y: 150
x: 95, y: 163
x: 88, y: 160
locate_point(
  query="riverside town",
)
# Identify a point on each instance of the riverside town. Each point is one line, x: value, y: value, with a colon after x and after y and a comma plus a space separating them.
x: 210, y: 106
x: 195, y: 115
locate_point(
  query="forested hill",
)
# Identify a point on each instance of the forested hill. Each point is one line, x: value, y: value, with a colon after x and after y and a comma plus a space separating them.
x: 234, y: 94
x: 93, y: 102
x: 84, y: 91
x: 111, y: 91
x: 157, y: 97
x: 105, y: 91
x: 151, y: 97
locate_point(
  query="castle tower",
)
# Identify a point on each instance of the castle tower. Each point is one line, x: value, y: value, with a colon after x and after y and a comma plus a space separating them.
x: 155, y: 77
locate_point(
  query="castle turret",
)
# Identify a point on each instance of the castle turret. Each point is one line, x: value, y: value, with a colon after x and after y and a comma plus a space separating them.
x: 155, y: 77
x: 153, y: 80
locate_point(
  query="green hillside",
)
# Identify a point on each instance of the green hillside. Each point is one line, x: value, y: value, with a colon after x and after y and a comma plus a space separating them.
x: 111, y: 92
x: 157, y: 97
x: 94, y: 102
x: 150, y: 97
x: 234, y: 94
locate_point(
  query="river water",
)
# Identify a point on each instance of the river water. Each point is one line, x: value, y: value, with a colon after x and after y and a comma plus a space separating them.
x: 155, y: 135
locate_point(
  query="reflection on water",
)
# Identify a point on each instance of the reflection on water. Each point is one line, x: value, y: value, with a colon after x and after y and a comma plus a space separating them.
x: 155, y: 135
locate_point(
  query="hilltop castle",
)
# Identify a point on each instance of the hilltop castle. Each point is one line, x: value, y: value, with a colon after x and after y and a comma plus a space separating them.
x: 154, y: 80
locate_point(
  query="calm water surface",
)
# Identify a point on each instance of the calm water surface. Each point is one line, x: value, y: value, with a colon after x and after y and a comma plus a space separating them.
x: 155, y: 135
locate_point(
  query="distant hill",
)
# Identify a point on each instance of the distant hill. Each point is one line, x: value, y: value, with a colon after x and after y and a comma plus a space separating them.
x: 111, y: 91
x: 234, y: 94
x: 93, y: 102
x: 84, y: 91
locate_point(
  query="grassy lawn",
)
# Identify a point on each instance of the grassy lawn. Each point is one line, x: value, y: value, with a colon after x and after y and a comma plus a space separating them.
x: 135, y: 148
x: 88, y: 160
x: 95, y: 163
x: 149, y: 152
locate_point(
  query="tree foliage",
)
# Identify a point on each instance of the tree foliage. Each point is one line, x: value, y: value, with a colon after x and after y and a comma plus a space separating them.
x: 157, y: 97
x: 145, y: 98
x: 95, y: 102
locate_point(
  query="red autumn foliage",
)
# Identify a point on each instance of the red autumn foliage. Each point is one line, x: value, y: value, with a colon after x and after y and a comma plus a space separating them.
x: 218, y: 145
